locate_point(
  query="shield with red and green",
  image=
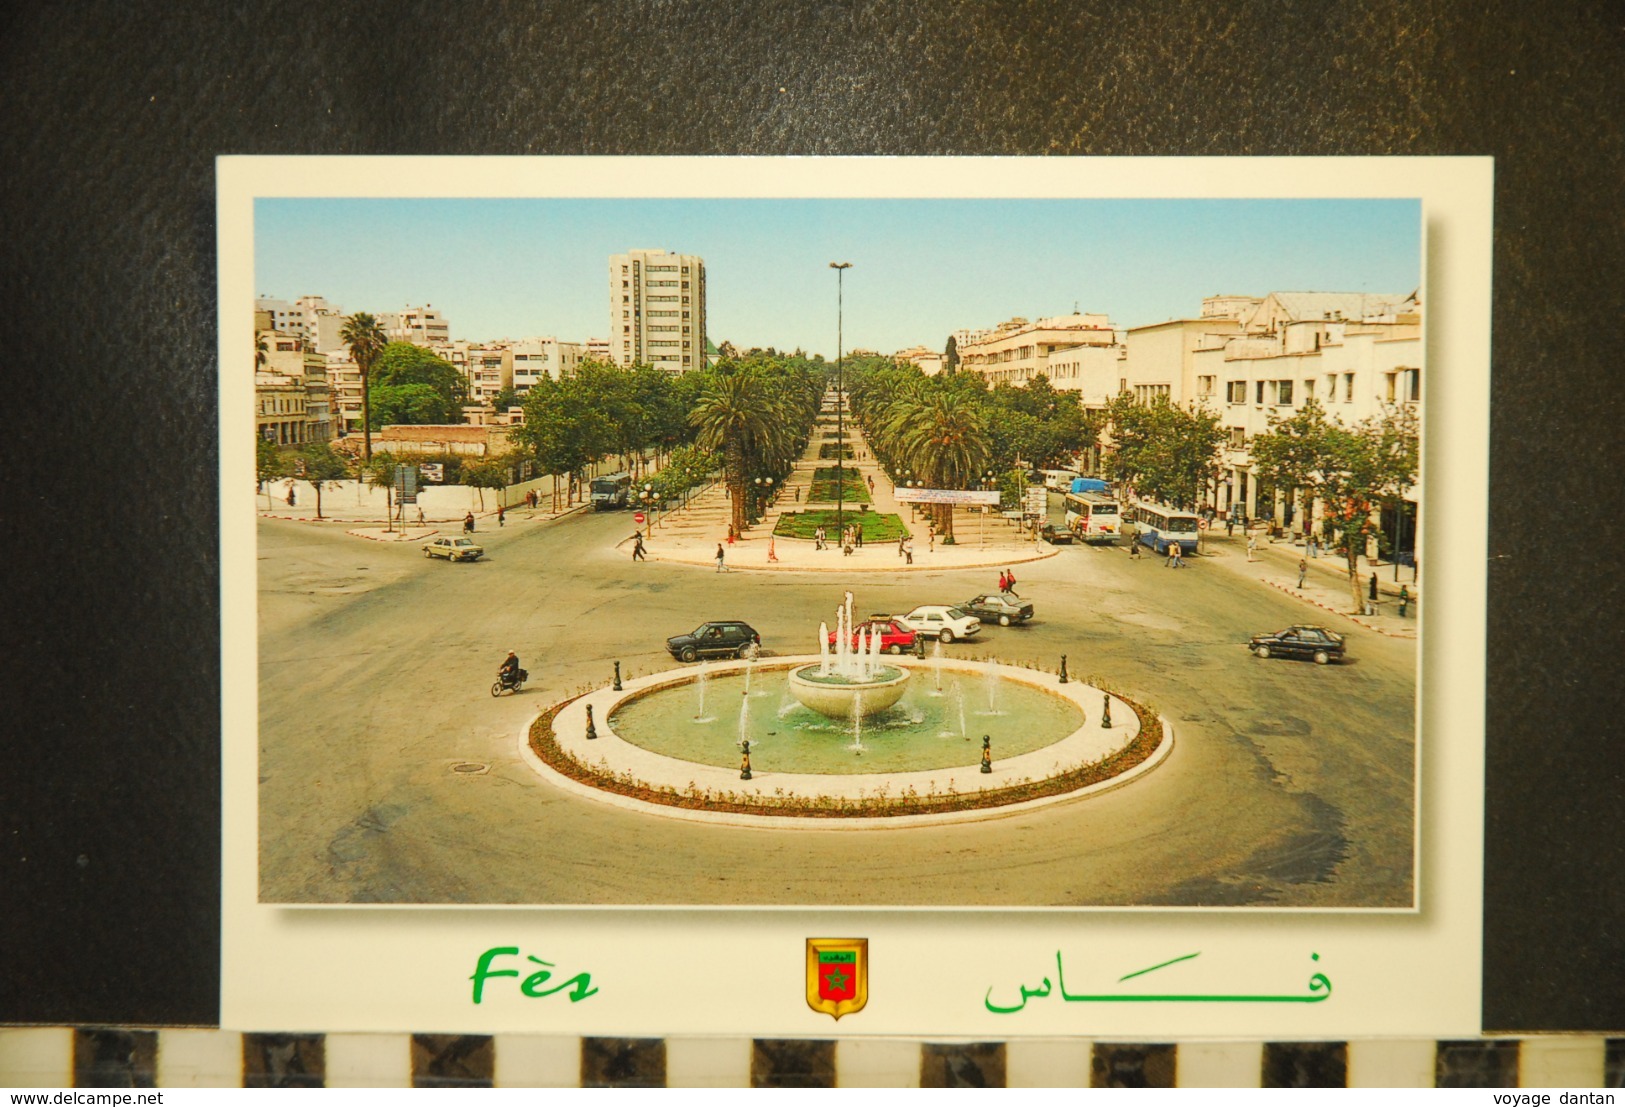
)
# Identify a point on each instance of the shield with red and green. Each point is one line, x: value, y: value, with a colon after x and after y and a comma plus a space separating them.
x: 837, y: 975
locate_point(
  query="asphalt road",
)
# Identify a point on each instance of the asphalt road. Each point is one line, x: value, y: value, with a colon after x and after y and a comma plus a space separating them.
x: 1290, y: 784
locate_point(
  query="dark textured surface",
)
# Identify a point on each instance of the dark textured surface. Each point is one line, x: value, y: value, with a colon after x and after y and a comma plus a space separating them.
x: 1132, y: 1066
x: 452, y: 1060
x: 792, y: 1063
x: 623, y: 1063
x: 115, y: 1058
x: 284, y: 1060
x: 1476, y: 1065
x: 1306, y: 1065
x: 1614, y: 1063
x: 962, y: 1065
x: 114, y: 113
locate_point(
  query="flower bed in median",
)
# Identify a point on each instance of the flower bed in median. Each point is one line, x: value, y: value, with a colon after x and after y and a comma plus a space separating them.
x: 876, y: 527
x: 880, y: 803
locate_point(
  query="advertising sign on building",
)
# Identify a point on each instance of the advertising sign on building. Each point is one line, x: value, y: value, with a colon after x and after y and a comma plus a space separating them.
x: 945, y: 496
x: 434, y: 472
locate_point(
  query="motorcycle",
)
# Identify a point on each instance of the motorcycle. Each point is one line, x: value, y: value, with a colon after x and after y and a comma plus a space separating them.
x: 506, y: 683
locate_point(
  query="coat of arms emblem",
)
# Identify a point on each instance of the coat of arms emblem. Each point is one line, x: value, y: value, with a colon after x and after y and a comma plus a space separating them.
x: 837, y: 975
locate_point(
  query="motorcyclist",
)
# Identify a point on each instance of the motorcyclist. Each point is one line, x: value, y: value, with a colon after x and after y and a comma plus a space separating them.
x: 510, y: 670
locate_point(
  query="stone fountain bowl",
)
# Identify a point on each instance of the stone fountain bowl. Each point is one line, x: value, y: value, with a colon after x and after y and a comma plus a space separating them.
x: 834, y: 698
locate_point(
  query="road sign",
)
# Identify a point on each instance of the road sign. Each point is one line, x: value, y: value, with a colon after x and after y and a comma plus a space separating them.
x: 1036, y: 500
x: 1201, y: 524
x: 638, y: 518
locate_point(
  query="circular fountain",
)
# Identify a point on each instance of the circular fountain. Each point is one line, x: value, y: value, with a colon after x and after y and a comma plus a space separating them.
x: 851, y: 682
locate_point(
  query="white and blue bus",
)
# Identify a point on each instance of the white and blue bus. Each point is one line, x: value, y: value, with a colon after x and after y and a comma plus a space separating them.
x: 1161, y: 525
x: 612, y: 492
x: 1093, y: 516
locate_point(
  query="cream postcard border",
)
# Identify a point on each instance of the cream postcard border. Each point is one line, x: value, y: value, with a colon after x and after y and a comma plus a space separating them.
x: 1404, y: 974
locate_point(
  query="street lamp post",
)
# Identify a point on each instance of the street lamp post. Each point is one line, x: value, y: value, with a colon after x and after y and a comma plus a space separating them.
x: 840, y: 268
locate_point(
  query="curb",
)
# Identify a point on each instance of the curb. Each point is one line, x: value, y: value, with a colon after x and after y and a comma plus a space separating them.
x: 1295, y: 594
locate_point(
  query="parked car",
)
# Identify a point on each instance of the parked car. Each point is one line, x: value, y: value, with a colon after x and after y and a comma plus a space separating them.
x: 1057, y: 536
x: 894, y: 636
x: 1316, y: 643
x: 941, y: 621
x: 997, y: 608
x: 724, y: 638
x: 454, y: 549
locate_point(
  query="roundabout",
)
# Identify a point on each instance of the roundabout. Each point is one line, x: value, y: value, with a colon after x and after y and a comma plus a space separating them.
x: 730, y: 742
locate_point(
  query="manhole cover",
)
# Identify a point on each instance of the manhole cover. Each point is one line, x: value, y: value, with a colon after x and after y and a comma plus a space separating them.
x: 470, y: 767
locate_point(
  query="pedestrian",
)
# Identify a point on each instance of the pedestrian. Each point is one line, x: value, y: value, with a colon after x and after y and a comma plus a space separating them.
x: 908, y: 552
x: 468, y: 523
x: 1372, y: 591
x: 931, y: 540
x: 290, y: 494
x: 502, y: 519
x: 1404, y: 600
x: 637, y: 547
x: 1303, y: 569
x: 798, y: 493
x: 900, y: 540
x: 771, y: 554
x: 1133, y: 547
x: 420, y: 515
x: 1252, y: 547
x: 1313, y: 544
x: 1004, y: 582
x: 1230, y: 526
x: 1172, y: 551
x: 732, y: 534
x: 857, y: 532
x: 720, y: 567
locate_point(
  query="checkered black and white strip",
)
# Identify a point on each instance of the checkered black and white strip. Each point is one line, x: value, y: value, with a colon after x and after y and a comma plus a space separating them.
x: 105, y: 1057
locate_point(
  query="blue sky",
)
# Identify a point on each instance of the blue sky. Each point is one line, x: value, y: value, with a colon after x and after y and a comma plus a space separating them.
x: 920, y: 268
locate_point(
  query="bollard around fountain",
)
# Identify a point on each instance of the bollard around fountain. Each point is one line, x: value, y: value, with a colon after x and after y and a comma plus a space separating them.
x: 592, y: 731
x: 987, y: 753
x: 744, y: 762
x: 618, y: 687
x: 1106, y: 713
x: 1063, y: 668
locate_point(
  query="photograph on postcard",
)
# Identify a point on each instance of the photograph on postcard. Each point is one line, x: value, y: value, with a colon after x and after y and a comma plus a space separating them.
x: 864, y: 552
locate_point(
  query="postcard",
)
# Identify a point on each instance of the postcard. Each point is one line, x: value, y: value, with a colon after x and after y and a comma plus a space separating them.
x: 938, y: 598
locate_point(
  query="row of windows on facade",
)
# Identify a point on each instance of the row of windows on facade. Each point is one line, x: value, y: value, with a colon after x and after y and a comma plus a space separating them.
x: 656, y: 284
x: 1400, y: 386
x: 654, y: 269
x: 658, y: 300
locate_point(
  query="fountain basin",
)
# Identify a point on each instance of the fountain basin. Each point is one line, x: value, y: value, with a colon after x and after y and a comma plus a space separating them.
x: 834, y: 696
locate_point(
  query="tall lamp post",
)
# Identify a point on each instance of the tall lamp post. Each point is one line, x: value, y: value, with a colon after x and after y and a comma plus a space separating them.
x: 840, y: 268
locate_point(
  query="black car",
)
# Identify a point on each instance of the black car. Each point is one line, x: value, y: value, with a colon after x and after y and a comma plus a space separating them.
x: 1316, y: 643
x: 996, y: 608
x: 719, y: 639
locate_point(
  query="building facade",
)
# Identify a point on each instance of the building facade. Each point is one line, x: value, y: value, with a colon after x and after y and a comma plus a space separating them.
x: 536, y: 359
x: 928, y: 361
x: 657, y: 310
x: 421, y: 326
x: 1017, y: 350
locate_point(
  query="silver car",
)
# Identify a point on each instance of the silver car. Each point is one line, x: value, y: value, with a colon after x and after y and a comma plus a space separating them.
x: 454, y: 549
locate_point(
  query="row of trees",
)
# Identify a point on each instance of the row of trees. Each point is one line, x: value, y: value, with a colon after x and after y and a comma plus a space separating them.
x: 950, y: 430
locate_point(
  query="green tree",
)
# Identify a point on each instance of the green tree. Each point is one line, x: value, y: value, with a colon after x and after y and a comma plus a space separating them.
x: 942, y: 434
x: 379, y: 472
x: 563, y: 431
x: 408, y: 404
x: 402, y: 366
x: 366, y: 340
x: 324, y: 467
x: 492, y: 472
x: 1162, y: 452
x: 733, y: 415
x: 269, y: 464
x: 507, y: 397
x: 950, y: 355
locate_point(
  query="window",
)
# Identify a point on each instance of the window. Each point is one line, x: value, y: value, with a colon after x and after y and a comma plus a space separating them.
x: 1390, y: 386
x: 1235, y: 392
x: 1348, y: 387
x: 1204, y: 386
x: 1238, y: 438
x: 1283, y: 392
x: 1259, y: 393
x: 1309, y: 389
x: 1416, y: 386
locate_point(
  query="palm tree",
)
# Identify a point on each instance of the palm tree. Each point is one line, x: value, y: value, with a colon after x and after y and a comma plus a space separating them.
x: 366, y: 340
x: 941, y: 435
x: 736, y: 415
x: 262, y: 349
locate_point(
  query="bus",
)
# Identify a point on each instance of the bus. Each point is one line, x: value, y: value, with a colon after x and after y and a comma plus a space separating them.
x: 611, y: 492
x: 1161, y: 525
x: 1093, y: 516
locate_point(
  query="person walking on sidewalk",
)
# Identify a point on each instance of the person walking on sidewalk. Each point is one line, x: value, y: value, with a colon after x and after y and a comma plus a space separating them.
x: 721, y: 568
x: 468, y: 523
x: 1004, y: 582
x: 1404, y: 600
x: 857, y: 535
x: 1303, y: 569
x: 502, y: 513
x: 1252, y: 547
x: 908, y: 551
x: 637, y: 546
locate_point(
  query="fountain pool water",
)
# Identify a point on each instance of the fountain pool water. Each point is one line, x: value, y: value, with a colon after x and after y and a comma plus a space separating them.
x: 918, y: 731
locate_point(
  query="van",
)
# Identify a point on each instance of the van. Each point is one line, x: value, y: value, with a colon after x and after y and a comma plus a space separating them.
x: 1059, y: 480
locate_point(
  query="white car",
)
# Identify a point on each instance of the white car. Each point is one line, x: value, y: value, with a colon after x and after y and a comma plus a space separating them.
x: 942, y: 622
x: 454, y: 549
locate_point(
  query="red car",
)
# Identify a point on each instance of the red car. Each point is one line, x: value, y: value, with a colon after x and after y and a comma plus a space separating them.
x: 894, y: 636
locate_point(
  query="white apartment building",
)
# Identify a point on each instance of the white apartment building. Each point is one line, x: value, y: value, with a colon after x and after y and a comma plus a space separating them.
x: 1095, y: 373
x: 283, y: 317
x: 928, y: 361
x: 657, y: 310
x: 489, y: 369
x: 598, y: 350
x: 1159, y: 358
x: 1017, y: 350
x: 421, y: 326
x: 344, y: 390
x: 538, y: 358
x: 289, y: 360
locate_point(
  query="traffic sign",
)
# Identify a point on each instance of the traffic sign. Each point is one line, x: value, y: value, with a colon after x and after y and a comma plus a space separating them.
x: 1201, y: 524
x: 638, y: 518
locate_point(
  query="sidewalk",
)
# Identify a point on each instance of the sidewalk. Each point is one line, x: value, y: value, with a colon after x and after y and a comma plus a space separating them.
x: 1325, y: 583
x: 689, y: 535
